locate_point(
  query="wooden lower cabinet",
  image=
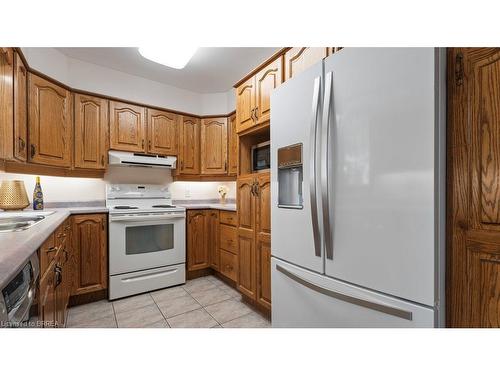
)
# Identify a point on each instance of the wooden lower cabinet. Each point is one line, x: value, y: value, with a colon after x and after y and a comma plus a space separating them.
x: 197, y: 249
x: 254, y: 238
x: 229, y: 265
x: 213, y: 238
x: 56, y: 272
x: 91, y: 253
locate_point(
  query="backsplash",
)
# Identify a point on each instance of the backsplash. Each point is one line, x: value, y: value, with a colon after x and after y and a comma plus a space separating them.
x: 91, y: 190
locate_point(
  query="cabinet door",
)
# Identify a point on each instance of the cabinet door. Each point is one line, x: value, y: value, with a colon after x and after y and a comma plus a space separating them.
x: 50, y: 123
x: 162, y: 132
x: 47, y: 298
x: 20, y: 109
x: 266, y: 81
x: 197, y: 248
x: 232, y: 146
x: 6, y: 102
x: 91, y: 132
x: 214, y: 146
x: 90, y: 249
x: 263, y: 240
x: 213, y: 238
x: 189, y: 146
x: 299, y: 59
x: 127, y: 127
x: 246, y: 263
x: 245, y: 203
x: 245, y: 105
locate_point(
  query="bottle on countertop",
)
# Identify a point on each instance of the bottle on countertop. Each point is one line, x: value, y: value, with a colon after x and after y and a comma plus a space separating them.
x: 38, y: 195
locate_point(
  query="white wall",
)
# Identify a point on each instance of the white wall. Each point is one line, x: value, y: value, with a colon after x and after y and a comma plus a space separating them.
x: 73, y: 189
x: 95, y: 78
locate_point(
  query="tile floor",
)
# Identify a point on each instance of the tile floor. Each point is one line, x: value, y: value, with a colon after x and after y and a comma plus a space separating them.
x: 206, y: 302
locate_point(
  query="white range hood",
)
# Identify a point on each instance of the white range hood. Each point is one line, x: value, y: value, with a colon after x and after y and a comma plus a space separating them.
x: 131, y: 159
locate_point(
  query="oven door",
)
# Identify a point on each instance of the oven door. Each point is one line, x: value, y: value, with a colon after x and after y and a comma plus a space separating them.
x: 139, y: 242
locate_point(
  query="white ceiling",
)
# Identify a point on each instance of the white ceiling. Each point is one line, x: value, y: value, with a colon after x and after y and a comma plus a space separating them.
x: 211, y: 70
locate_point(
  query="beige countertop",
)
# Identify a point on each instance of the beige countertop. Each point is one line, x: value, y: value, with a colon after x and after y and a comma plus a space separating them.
x: 17, y: 247
x: 214, y: 206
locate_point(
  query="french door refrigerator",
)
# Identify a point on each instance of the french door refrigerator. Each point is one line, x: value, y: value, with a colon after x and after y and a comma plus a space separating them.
x: 358, y: 191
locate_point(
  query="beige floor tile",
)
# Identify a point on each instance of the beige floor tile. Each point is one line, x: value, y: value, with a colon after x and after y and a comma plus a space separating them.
x: 198, y: 285
x: 108, y: 321
x: 139, y: 318
x: 193, y: 319
x: 168, y: 294
x: 210, y: 296
x: 132, y: 303
x: 228, y: 310
x: 230, y: 291
x: 90, y: 312
x: 178, y: 306
x: 252, y: 320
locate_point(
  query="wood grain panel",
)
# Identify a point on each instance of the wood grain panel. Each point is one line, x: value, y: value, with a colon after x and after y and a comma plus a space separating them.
x: 189, y: 140
x: 214, y: 146
x: 197, y: 247
x: 127, y: 127
x: 263, y: 250
x: 228, y: 238
x: 229, y: 265
x: 245, y: 105
x: 298, y: 59
x: 20, y: 109
x: 213, y: 239
x: 266, y: 81
x: 50, y: 123
x: 232, y: 146
x: 6, y: 102
x: 245, y: 203
x: 246, y: 263
x: 91, y: 132
x: 162, y: 132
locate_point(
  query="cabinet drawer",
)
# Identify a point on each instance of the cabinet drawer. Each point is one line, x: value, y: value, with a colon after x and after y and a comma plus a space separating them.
x: 228, y: 238
x: 228, y: 264
x: 229, y: 218
x: 47, y: 253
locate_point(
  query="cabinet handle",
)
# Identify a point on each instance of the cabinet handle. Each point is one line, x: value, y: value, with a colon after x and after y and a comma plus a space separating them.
x: 225, y: 165
x: 33, y: 150
x: 182, y: 165
x: 58, y: 275
x: 256, y: 115
x: 143, y: 144
x: 51, y: 249
x: 22, y: 144
x: 149, y: 144
x: 102, y: 160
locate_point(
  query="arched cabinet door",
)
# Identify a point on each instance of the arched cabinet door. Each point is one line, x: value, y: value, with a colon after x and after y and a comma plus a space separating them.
x: 245, y: 105
x: 263, y: 240
x: 90, y: 249
x: 214, y: 146
x: 162, y: 132
x: 50, y: 123
x: 197, y: 249
x: 91, y: 132
x: 267, y: 80
x: 189, y: 146
x: 127, y: 127
x: 298, y: 59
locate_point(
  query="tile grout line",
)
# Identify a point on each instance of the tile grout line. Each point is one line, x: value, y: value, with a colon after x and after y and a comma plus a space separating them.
x: 161, y: 312
x: 203, y: 307
x: 114, y: 314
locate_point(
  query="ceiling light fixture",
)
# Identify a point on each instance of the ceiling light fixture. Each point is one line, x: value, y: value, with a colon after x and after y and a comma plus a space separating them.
x: 173, y: 57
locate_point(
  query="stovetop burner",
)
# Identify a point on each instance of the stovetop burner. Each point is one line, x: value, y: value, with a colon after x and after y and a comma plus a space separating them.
x: 163, y: 206
x: 125, y: 208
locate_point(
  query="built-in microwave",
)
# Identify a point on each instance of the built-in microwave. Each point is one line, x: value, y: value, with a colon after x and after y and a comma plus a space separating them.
x: 261, y: 156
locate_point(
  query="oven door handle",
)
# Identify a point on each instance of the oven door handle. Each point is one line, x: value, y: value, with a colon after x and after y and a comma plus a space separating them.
x: 145, y: 217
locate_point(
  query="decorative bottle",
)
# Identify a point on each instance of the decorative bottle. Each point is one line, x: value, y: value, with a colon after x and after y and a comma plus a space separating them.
x: 38, y: 195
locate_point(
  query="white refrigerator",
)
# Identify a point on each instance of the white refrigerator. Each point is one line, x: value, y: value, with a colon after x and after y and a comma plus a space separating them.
x: 358, y: 191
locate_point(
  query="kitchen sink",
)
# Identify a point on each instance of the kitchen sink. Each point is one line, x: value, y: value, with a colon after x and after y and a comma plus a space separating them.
x: 15, y: 222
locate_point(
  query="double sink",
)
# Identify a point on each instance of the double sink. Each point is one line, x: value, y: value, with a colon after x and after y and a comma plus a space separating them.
x: 19, y: 221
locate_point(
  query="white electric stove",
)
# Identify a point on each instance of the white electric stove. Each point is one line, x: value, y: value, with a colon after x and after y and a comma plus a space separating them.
x: 147, y: 239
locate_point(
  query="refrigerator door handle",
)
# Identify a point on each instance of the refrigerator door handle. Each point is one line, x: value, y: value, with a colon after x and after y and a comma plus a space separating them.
x: 377, y: 306
x: 312, y: 175
x: 325, y: 164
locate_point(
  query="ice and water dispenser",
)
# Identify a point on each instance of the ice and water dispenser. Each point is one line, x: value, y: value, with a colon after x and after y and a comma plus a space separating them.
x: 290, y: 176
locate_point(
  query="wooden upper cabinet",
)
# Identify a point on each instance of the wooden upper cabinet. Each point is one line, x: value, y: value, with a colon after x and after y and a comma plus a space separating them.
x: 189, y: 143
x: 20, y: 109
x: 245, y: 105
x: 298, y: 59
x: 91, y: 132
x: 6, y: 102
x: 162, y: 132
x: 266, y: 81
x: 90, y: 246
x: 214, y: 145
x: 50, y: 123
x: 127, y: 127
x: 232, y: 146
